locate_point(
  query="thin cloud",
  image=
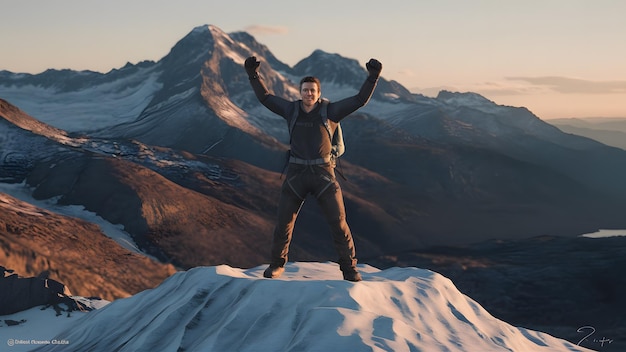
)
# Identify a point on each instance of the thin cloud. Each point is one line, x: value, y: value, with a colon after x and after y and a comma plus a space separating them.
x: 267, y: 30
x: 406, y: 72
x: 507, y: 88
x: 486, y: 89
x: 567, y: 85
x: 525, y: 86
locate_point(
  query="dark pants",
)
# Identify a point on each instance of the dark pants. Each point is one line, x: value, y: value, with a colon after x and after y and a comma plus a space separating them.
x: 319, y: 181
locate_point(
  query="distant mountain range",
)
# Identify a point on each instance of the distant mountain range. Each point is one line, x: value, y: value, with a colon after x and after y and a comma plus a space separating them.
x: 610, y: 131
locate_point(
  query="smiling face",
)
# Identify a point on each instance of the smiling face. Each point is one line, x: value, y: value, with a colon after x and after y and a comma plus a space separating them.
x: 310, y: 92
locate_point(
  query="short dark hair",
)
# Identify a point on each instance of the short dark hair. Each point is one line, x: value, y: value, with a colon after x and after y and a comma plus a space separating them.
x: 313, y: 80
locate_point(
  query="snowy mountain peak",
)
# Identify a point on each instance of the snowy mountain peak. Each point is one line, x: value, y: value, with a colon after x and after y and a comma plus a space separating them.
x: 205, y: 28
x: 201, y: 29
x: 332, y: 68
x: 319, y: 54
x: 309, y: 309
x: 464, y: 99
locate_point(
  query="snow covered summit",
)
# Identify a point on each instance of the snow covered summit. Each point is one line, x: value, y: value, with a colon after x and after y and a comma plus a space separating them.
x: 308, y: 309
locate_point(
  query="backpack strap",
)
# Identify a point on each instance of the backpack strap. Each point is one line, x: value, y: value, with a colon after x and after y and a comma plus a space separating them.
x: 336, y: 140
x: 294, y: 117
x: 292, y: 124
x: 324, y: 113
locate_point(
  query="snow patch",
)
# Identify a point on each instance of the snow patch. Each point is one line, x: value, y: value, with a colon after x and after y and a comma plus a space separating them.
x: 90, y: 109
x: 34, y: 207
x: 602, y: 233
x: 310, y: 308
x: 226, y: 49
x: 39, y: 326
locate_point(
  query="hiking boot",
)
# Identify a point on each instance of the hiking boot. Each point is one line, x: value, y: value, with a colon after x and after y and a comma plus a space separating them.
x: 352, y: 275
x: 273, y: 272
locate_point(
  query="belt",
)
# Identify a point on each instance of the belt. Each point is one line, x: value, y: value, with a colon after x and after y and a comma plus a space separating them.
x: 319, y: 161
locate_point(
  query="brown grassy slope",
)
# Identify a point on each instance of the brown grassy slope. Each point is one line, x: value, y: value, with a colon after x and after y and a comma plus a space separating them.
x: 74, y: 251
x: 175, y: 223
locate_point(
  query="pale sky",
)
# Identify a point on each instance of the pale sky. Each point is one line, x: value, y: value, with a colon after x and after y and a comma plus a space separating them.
x: 558, y: 58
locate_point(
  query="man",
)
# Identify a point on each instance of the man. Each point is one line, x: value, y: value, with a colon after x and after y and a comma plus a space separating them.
x: 311, y: 165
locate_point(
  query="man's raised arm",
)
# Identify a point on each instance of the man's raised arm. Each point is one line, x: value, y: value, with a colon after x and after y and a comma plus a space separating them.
x: 342, y: 108
x: 374, y: 67
x: 252, y: 68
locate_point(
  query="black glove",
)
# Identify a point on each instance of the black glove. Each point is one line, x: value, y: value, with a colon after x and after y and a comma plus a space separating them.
x: 252, y: 67
x: 373, y: 68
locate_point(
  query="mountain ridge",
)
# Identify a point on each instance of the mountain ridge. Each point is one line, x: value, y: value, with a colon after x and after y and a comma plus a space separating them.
x: 610, y: 131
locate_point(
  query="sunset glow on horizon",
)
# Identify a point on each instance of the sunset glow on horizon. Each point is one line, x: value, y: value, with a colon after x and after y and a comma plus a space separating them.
x: 557, y: 58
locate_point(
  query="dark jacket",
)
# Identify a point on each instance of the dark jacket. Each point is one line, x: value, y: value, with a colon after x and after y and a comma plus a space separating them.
x: 309, y: 139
